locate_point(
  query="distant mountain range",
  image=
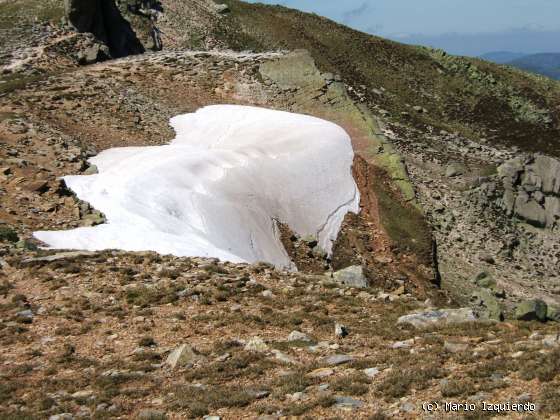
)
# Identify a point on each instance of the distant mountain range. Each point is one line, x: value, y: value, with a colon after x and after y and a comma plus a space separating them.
x: 502, y: 57
x: 547, y: 64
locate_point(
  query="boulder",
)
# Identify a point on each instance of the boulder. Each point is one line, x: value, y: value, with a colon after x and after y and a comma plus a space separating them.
x: 91, y: 55
x: 528, y: 209
x: 182, y: 356
x: 91, y: 170
x: 548, y: 170
x: 511, y: 169
x: 438, y: 318
x: 531, y: 182
x: 299, y: 336
x: 93, y: 219
x: 222, y: 8
x: 531, y: 310
x: 486, y: 306
x: 256, y: 344
x: 103, y: 19
x: 352, y: 276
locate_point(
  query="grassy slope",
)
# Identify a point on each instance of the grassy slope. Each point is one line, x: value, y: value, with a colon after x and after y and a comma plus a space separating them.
x: 477, y: 98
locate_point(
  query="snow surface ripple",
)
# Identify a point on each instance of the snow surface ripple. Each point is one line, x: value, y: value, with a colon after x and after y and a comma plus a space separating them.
x: 219, y: 188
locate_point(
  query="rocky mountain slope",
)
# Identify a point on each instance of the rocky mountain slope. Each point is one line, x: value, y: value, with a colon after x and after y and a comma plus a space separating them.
x: 456, y: 162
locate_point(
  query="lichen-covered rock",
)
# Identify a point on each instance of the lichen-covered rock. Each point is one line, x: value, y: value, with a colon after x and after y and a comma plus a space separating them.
x: 553, y: 313
x: 438, y: 318
x: 486, y: 305
x: 531, y: 310
x: 530, y: 210
x: 352, y: 277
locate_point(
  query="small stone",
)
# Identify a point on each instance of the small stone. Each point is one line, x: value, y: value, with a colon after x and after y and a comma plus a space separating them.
x: 212, y: 418
x: 299, y: 336
x: 83, y: 394
x: 321, y: 373
x: 371, y: 372
x: 407, y: 407
x: 91, y: 170
x: 347, y: 403
x: 151, y: 414
x: 62, y: 416
x: 256, y: 344
x: 340, y: 331
x: 259, y: 394
x: 338, y: 359
x: 403, y: 344
x: 296, y: 396
x: 26, y: 314
x: 223, y: 357
x: 182, y: 356
x: 101, y: 407
x: 267, y: 294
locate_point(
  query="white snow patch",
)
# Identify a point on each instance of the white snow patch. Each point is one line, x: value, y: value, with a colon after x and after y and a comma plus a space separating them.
x: 220, y: 187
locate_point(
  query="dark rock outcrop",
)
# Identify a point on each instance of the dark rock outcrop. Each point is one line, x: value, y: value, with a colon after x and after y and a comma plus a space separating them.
x: 103, y: 19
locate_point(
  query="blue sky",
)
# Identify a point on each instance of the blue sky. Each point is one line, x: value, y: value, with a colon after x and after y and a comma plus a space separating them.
x: 469, y: 27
